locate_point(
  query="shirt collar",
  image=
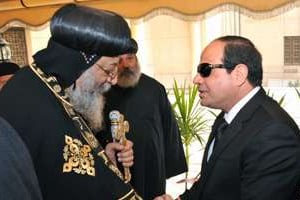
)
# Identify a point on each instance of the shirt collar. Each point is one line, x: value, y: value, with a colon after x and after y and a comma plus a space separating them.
x: 239, y: 105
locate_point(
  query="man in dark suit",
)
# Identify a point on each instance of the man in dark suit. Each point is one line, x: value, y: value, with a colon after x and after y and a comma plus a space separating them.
x: 257, y: 156
x: 17, y: 178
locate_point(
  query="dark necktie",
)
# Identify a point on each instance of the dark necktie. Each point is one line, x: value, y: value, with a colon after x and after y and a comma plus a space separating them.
x: 219, y: 131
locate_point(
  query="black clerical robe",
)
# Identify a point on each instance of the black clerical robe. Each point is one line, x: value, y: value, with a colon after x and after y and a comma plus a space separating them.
x: 158, y: 150
x: 65, y: 165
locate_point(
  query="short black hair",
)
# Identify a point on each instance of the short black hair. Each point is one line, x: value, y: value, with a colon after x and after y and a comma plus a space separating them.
x: 240, y: 50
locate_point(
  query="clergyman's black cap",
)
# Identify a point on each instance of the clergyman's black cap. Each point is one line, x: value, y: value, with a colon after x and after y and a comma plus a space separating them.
x: 7, y: 68
x: 80, y: 35
x: 133, y: 46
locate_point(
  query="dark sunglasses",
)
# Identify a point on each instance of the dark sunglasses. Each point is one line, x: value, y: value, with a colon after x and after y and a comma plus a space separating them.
x: 204, y: 69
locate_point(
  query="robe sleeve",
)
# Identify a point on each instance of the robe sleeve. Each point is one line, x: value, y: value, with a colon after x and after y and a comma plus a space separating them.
x: 174, y: 153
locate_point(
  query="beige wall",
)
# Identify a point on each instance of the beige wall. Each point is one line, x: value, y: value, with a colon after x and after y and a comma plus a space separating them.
x: 268, y: 35
x: 38, y: 41
x: 165, y: 48
x: 170, y: 46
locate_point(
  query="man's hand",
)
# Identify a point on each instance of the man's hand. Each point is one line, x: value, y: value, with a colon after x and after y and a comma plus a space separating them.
x: 124, y: 153
x: 165, y: 197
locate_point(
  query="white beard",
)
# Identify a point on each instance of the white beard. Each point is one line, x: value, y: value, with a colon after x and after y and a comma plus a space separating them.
x: 89, y: 101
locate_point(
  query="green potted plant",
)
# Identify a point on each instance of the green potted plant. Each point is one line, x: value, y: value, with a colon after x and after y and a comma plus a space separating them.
x: 280, y: 101
x: 190, y: 116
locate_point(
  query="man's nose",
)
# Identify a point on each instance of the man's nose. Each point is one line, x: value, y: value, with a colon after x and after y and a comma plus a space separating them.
x: 123, y: 63
x: 198, y: 79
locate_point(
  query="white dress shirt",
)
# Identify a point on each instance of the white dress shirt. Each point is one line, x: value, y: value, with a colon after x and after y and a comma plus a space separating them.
x: 233, y: 112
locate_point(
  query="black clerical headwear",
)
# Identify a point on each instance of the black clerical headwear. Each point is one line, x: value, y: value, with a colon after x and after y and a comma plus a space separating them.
x: 133, y: 48
x: 79, y: 37
x: 7, y: 68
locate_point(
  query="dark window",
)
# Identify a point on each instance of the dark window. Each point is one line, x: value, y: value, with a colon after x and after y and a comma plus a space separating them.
x: 292, y: 50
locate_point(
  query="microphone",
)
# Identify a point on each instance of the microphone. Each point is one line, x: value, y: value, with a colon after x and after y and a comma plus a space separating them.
x: 119, y: 128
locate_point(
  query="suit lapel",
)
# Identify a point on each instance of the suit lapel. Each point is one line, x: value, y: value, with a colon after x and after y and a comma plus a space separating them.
x: 229, y: 134
x: 232, y: 131
x: 235, y: 127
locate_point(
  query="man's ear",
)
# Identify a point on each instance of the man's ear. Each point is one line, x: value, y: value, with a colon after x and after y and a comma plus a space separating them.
x: 240, y: 74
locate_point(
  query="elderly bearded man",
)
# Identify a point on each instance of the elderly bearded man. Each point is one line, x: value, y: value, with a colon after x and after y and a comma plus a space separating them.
x: 52, y: 105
